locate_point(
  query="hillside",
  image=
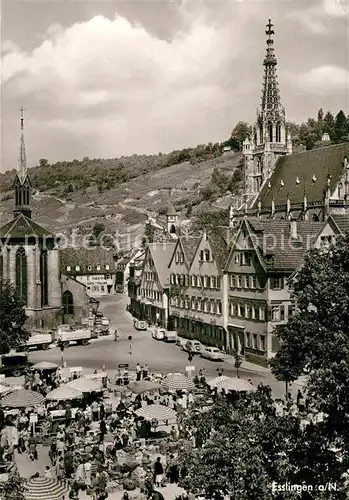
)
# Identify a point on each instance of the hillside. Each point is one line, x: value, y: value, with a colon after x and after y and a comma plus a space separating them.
x: 126, y: 205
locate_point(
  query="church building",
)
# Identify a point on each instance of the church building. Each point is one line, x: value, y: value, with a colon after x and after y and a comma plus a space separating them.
x: 280, y: 184
x: 29, y: 258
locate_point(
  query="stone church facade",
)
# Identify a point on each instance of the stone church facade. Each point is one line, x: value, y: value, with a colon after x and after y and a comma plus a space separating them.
x: 29, y: 258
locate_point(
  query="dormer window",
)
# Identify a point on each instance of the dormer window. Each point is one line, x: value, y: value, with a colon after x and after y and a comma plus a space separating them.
x: 98, y: 267
x: 207, y: 255
x: 297, y: 180
x: 77, y: 268
x: 68, y: 268
x: 89, y: 268
x: 107, y: 267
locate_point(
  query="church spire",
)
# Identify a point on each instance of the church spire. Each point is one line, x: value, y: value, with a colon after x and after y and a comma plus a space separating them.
x: 270, y: 94
x: 22, y: 184
x: 22, y: 163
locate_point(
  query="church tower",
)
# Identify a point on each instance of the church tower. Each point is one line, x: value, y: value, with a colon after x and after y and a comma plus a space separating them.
x: 269, y: 134
x: 22, y: 186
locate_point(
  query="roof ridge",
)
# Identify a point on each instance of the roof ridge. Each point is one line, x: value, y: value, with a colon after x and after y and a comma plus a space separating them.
x: 309, y: 151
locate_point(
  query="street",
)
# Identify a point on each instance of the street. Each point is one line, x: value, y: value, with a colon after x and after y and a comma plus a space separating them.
x: 159, y: 356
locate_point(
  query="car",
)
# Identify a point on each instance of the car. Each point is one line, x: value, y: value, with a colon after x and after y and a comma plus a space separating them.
x: 192, y: 346
x: 158, y: 334
x: 140, y: 325
x: 14, y: 365
x: 212, y: 353
x: 170, y: 336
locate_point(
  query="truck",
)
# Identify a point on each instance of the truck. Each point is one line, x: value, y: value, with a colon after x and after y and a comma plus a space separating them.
x: 66, y: 334
x: 40, y: 341
x: 103, y: 327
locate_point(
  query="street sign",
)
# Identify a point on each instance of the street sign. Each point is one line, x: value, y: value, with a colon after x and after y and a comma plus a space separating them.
x: 123, y: 365
x: 33, y: 418
x: 189, y: 368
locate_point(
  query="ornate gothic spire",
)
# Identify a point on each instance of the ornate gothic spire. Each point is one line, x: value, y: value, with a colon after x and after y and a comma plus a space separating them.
x: 22, y: 163
x: 271, y: 101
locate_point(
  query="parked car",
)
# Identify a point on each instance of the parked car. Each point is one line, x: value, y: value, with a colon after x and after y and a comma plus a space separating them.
x: 170, y: 336
x: 158, y: 333
x: 212, y: 353
x: 192, y: 346
x: 14, y: 365
x: 140, y: 325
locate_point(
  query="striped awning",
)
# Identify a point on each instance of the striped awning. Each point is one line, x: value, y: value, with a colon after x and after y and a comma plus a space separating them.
x: 176, y: 382
x: 44, y: 488
x: 85, y: 385
x: 232, y: 384
x: 64, y: 393
x: 45, y: 365
x: 156, y: 412
x: 23, y: 399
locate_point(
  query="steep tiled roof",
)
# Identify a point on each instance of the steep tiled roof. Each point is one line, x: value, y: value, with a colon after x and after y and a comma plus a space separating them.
x: 189, y: 245
x: 161, y: 254
x: 171, y: 210
x: 319, y: 162
x: 21, y: 227
x: 220, y: 246
x: 84, y: 257
x: 277, y: 249
x: 342, y: 221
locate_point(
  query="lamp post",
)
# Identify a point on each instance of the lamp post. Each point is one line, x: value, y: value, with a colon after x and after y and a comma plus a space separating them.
x: 130, y: 340
x: 61, y: 346
x: 94, y: 304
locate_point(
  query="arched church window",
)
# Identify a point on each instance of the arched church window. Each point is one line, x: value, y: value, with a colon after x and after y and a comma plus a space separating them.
x: 278, y: 132
x: 340, y: 190
x: 68, y: 303
x: 270, y: 131
x: 22, y: 274
x: 260, y: 134
x: 44, y: 278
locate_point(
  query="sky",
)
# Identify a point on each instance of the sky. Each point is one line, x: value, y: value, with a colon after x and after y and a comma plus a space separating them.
x: 106, y: 79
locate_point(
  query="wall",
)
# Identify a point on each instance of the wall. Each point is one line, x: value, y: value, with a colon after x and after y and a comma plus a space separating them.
x: 81, y: 299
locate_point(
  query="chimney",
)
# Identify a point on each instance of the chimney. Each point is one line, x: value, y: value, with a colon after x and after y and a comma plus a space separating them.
x: 293, y: 229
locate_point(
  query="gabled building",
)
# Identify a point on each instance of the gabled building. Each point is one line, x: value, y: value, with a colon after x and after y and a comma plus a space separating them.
x: 197, y: 299
x: 94, y: 267
x: 334, y: 226
x: 134, y: 281
x: 153, y: 290
x: 263, y: 256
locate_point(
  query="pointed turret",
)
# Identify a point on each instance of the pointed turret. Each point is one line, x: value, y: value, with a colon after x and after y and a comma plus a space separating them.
x: 22, y: 184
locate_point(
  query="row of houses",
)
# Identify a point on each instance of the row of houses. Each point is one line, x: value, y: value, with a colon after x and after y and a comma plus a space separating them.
x: 228, y: 288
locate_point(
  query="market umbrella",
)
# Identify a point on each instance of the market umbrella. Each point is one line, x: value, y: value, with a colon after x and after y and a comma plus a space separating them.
x: 85, y: 385
x: 177, y: 381
x: 45, y: 365
x: 119, y: 388
x: 23, y: 399
x: 44, y: 488
x: 235, y: 384
x: 64, y: 393
x: 156, y: 412
x: 218, y: 381
x: 144, y: 386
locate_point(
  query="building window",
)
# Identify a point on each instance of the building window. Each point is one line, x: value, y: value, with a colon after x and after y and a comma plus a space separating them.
x: 246, y: 259
x: 98, y: 268
x: 232, y: 281
x: 207, y: 255
x: 239, y: 281
x: 68, y: 268
x: 253, y: 312
x: 68, y: 303
x: 77, y: 268
x: 201, y: 255
x: 107, y: 267
x: 282, y: 313
x: 248, y: 339
x: 242, y: 311
x: 219, y: 306
x: 172, y: 279
x: 275, y: 313
x: 290, y: 310
x: 213, y: 306
x: 44, y: 278
x: 253, y: 282
x: 261, y: 314
x: 262, y: 340
x: 89, y: 268
x: 213, y: 282
x: 255, y: 341
x: 276, y: 283
x: 21, y: 275
x: 237, y: 258
x: 218, y: 284
x: 186, y: 280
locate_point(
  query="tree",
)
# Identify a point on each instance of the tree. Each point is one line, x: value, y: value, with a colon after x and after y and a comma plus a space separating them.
x: 43, y: 162
x: 316, y: 338
x: 241, y: 131
x: 328, y: 124
x: 13, y: 488
x: 149, y: 232
x: 341, y: 130
x: 97, y: 234
x: 13, y: 334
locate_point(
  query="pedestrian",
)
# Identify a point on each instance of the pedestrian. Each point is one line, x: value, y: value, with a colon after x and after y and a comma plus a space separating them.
x: 33, y: 452
x: 145, y: 371
x: 125, y: 376
x: 95, y: 411
x: 68, y: 415
x: 101, y: 411
x: 138, y: 372
x: 102, y: 430
x: 48, y: 472
x: 158, y: 472
x: 116, y: 336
